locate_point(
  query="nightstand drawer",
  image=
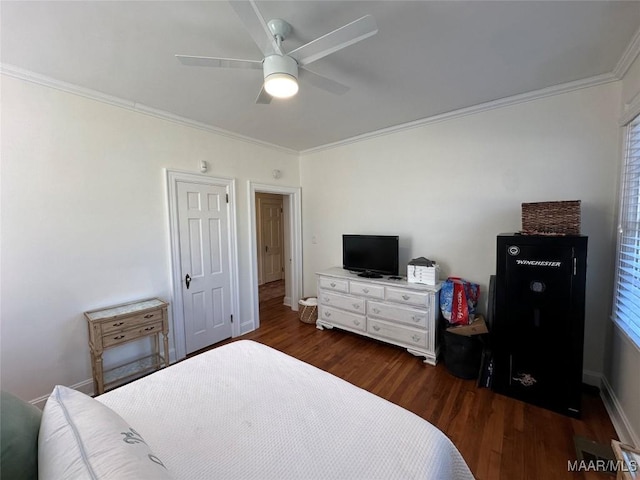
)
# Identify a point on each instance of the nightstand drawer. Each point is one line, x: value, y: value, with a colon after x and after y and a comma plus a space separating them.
x: 119, y: 324
x: 143, y: 330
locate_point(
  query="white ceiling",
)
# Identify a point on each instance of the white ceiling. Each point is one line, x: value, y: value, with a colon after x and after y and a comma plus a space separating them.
x: 428, y: 58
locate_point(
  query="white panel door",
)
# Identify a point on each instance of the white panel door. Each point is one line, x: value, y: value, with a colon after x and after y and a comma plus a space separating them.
x: 203, y: 221
x: 272, y: 239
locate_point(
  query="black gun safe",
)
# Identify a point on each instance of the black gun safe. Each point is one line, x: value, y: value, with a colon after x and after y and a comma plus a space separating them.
x: 538, y: 326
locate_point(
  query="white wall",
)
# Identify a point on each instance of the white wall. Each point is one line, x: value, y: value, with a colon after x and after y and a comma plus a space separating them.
x: 447, y: 189
x: 85, y: 220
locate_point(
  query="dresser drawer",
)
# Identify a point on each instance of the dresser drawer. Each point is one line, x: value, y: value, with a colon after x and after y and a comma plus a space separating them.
x: 367, y: 290
x: 406, y: 315
x: 330, y: 283
x: 119, y: 324
x: 340, y: 317
x: 353, y: 304
x: 115, y: 338
x: 419, y: 299
x: 404, y: 335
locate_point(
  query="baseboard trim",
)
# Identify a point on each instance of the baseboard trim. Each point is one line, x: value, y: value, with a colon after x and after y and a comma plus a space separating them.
x: 618, y: 417
x: 592, y: 378
x: 86, y: 386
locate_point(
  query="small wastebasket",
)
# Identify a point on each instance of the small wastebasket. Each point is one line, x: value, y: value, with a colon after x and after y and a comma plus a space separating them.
x: 462, y: 354
x: 308, y: 309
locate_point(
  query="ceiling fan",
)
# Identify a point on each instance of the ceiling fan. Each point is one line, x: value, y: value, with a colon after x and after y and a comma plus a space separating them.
x: 281, y: 69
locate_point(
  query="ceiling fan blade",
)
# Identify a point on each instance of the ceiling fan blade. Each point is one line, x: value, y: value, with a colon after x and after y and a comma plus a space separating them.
x: 263, y: 97
x: 254, y: 22
x: 321, y: 82
x: 194, y: 61
x: 351, y: 33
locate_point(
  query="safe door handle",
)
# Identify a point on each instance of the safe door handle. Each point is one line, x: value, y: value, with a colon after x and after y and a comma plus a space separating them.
x: 187, y: 281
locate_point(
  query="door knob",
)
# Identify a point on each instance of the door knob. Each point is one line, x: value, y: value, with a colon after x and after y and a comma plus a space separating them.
x: 187, y: 280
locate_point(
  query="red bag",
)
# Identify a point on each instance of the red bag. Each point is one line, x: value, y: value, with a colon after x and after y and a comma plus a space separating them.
x: 458, y: 300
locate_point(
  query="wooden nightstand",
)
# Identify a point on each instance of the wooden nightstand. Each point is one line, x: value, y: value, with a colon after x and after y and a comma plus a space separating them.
x: 113, y: 326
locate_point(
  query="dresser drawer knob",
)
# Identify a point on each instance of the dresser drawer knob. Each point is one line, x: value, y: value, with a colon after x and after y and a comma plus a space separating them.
x: 150, y: 315
x: 376, y: 310
x: 327, y: 299
x: 356, y: 306
x: 118, y: 337
x: 356, y: 322
x: 415, y: 338
x: 333, y: 284
x: 376, y: 328
x: 406, y: 297
x: 416, y: 318
x: 365, y: 290
x: 148, y: 329
x: 327, y: 314
x: 117, y: 324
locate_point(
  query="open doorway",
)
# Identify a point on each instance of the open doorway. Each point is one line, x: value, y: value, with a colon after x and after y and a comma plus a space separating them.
x: 272, y: 247
x: 265, y: 273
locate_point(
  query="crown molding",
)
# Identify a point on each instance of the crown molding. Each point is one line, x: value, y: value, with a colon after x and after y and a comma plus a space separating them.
x: 631, y: 110
x: 630, y: 54
x: 628, y: 57
x: 483, y: 107
x: 26, y: 75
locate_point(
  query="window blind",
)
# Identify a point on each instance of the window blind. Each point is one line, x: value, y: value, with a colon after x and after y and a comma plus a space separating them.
x: 627, y: 289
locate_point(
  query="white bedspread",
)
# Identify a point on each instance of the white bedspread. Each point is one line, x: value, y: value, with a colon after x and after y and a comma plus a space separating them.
x: 247, y: 411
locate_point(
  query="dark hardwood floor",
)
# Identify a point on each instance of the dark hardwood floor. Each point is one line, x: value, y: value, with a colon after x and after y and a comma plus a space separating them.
x: 499, y: 437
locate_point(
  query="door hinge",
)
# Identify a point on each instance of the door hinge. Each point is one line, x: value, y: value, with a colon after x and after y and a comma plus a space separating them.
x: 227, y: 197
x: 231, y: 318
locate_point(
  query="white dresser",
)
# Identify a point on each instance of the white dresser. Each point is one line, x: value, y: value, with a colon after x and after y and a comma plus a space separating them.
x: 393, y: 311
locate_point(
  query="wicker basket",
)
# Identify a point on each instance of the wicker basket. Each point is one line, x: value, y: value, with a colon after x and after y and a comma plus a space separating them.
x: 308, y: 311
x: 551, y: 218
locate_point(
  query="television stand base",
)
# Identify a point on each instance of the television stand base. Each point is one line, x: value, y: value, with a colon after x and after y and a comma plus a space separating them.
x: 369, y: 275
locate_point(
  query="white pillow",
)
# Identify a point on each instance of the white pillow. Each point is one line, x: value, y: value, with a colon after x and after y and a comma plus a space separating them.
x: 80, y: 438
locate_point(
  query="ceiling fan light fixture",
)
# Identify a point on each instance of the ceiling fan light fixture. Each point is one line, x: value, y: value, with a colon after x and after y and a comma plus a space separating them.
x: 281, y: 85
x: 280, y: 76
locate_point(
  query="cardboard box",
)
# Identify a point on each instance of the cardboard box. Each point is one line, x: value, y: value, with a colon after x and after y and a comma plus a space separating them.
x: 478, y: 327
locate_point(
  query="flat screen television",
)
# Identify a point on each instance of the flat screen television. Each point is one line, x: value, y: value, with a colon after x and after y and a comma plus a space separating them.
x: 371, y: 255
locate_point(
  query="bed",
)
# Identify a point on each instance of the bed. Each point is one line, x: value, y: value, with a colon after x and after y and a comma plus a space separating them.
x: 246, y: 411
